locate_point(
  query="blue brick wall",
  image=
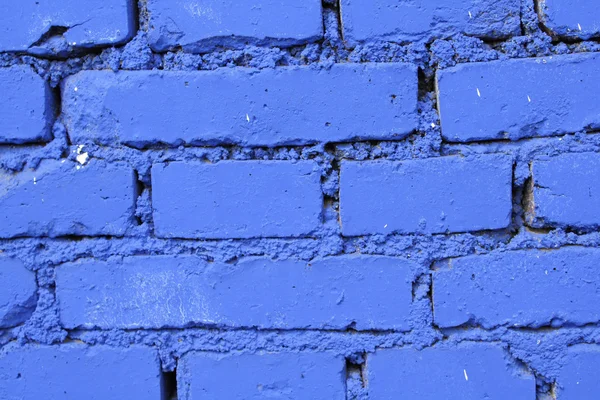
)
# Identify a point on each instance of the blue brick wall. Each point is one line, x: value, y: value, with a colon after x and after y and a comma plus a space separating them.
x: 325, y: 199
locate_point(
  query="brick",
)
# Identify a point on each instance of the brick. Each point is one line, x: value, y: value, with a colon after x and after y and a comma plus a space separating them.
x: 213, y: 24
x: 282, y: 106
x: 513, y: 289
x: 446, y: 194
x: 565, y: 191
x: 570, y: 19
x: 366, y: 293
x: 402, y: 21
x: 579, y: 377
x: 62, y: 198
x: 26, y: 106
x: 236, y: 199
x: 18, y: 296
x: 468, y: 371
x: 514, y: 99
x: 262, y: 376
x: 75, y: 371
x: 57, y: 27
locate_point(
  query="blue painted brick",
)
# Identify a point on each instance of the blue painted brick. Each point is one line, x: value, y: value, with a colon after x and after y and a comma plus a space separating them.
x: 31, y: 26
x: 236, y: 199
x: 287, y: 105
x: 565, y: 191
x: 75, y: 372
x: 529, y: 288
x: 315, y: 376
x: 513, y: 99
x: 579, y: 377
x: 406, y: 21
x: 65, y: 198
x: 570, y: 19
x: 468, y: 371
x: 446, y: 194
x: 205, y: 26
x: 26, y: 106
x: 164, y: 291
x: 18, y: 295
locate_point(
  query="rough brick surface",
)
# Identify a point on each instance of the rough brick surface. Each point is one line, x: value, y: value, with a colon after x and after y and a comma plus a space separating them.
x: 203, y: 26
x: 570, y: 19
x: 519, y: 98
x: 513, y: 288
x: 236, y: 199
x: 56, y: 27
x: 565, y: 191
x: 468, y: 371
x: 66, y: 198
x: 26, y: 106
x: 19, y: 292
x: 295, y: 105
x: 448, y: 194
x: 262, y: 376
x: 579, y: 377
x: 154, y: 292
x: 404, y: 21
x: 75, y: 371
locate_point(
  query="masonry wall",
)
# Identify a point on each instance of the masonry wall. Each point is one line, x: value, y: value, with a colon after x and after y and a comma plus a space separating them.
x: 337, y: 199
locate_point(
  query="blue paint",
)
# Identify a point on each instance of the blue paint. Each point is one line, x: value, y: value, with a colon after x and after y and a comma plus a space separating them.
x: 570, y: 19
x: 18, y: 297
x: 449, y: 194
x: 26, y: 106
x: 201, y: 27
x: 282, y: 106
x: 579, y: 375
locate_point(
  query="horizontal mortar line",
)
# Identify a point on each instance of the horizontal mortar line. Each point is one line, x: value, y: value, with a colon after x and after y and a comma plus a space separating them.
x: 502, y: 141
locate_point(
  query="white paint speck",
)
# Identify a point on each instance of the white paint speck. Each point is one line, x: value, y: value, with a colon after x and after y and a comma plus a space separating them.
x: 34, y: 180
x: 466, y: 376
x: 529, y: 98
x: 432, y: 125
x: 385, y: 226
x: 579, y: 26
x: 82, y: 158
x: 78, y: 167
x: 247, y: 118
x: 75, y: 88
x: 539, y: 341
x: 478, y: 92
x: 470, y: 15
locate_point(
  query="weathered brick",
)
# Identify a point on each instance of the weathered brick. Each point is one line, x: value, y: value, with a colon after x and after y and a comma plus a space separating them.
x: 570, y: 19
x: 287, y: 105
x: 565, y: 191
x: 18, y: 296
x: 75, y: 371
x: 513, y: 99
x: 402, y: 21
x: 26, y: 106
x: 57, y: 27
x: 163, y: 291
x: 446, y: 194
x: 203, y: 27
x: 262, y: 376
x: 236, y: 199
x: 530, y: 288
x: 64, y: 198
x: 579, y: 377
x: 469, y: 371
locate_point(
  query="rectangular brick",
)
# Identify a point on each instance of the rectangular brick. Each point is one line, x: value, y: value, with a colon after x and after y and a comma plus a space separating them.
x: 579, y: 377
x: 59, y: 26
x: 236, y: 199
x: 270, y: 107
x: 65, y: 198
x: 565, y: 191
x: 446, y: 194
x: 201, y: 27
x: 75, y: 371
x: 312, y: 376
x: 527, y: 288
x: 467, y: 371
x: 18, y: 297
x: 570, y: 19
x: 406, y: 21
x: 26, y: 106
x: 366, y: 293
x: 519, y: 98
